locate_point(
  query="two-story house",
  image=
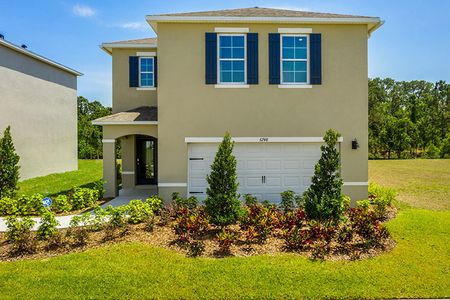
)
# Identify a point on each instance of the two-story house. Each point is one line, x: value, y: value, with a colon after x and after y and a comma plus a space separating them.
x: 275, y: 79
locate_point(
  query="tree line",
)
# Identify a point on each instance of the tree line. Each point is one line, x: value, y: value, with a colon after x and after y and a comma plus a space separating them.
x: 409, y: 119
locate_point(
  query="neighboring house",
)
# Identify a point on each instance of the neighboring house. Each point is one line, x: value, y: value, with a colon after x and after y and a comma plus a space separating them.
x: 38, y: 98
x: 275, y: 79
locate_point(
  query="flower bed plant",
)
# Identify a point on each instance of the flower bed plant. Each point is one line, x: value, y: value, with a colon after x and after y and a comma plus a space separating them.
x: 79, y: 198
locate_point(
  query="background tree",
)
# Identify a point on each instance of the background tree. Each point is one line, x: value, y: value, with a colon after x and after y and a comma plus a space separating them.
x: 222, y: 202
x: 90, y: 136
x: 407, y: 117
x: 9, y: 165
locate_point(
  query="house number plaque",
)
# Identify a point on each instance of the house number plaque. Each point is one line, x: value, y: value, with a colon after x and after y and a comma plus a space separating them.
x: 264, y: 139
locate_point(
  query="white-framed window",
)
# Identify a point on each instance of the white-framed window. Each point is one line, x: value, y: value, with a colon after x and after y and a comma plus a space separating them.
x: 146, y: 72
x: 232, y: 58
x: 294, y: 59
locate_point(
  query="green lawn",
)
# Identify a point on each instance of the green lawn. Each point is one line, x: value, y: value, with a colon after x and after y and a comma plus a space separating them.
x: 421, y: 183
x: 419, y: 266
x: 88, y: 172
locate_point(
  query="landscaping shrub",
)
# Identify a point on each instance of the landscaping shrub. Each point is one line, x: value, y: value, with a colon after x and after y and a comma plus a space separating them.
x: 83, y: 197
x: 190, y: 224
x: 155, y: 203
x: 250, y: 200
x: 195, y: 248
x: 9, y: 165
x: 258, y: 222
x: 180, y: 202
x: 56, y: 241
x: 47, y: 228
x: 432, y: 152
x: 98, y: 219
x: 20, y: 236
x: 222, y: 202
x: 99, y: 186
x: 61, y: 203
x: 8, y: 206
x: 138, y: 211
x: 324, y: 200
x: 78, y: 231
x: 225, y: 239
x: 291, y: 219
x: 287, y: 201
x: 381, y: 198
x: 313, y: 236
x: 365, y: 223
x: 30, y: 205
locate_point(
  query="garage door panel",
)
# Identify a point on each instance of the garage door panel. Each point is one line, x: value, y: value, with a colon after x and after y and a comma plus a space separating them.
x: 286, y: 166
x: 255, y: 164
x: 252, y: 181
x: 273, y: 164
x: 273, y: 181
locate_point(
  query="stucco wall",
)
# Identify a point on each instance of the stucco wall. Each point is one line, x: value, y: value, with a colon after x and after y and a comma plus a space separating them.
x: 187, y: 107
x: 39, y: 102
x: 125, y: 97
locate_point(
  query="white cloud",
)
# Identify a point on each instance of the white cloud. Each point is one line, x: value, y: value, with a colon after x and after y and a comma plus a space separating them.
x: 134, y: 25
x: 83, y: 11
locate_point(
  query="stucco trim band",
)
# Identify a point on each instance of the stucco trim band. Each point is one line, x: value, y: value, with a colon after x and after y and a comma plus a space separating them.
x: 259, y: 139
x: 171, y: 184
x: 294, y: 30
x: 356, y: 183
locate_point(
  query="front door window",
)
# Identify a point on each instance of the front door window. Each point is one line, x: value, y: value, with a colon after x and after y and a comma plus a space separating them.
x: 146, y: 160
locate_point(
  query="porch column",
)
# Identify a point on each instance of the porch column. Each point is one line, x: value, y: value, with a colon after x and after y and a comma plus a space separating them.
x: 109, y: 167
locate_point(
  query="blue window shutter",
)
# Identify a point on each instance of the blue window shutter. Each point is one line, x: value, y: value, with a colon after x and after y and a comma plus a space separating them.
x: 252, y: 58
x: 155, y: 71
x: 315, y: 64
x: 134, y: 71
x: 210, y: 58
x: 274, y: 58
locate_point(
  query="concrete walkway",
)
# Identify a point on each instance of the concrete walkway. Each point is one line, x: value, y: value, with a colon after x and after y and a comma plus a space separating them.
x: 124, y: 198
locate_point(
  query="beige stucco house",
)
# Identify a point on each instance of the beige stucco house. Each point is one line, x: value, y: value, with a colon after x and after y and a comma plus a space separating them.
x: 275, y: 79
x: 38, y: 99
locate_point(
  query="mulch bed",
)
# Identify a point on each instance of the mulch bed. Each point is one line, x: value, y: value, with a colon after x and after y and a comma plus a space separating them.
x: 164, y: 236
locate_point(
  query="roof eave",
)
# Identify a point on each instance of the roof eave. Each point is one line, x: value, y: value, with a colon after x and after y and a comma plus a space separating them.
x: 107, y: 47
x: 40, y: 58
x: 154, y: 20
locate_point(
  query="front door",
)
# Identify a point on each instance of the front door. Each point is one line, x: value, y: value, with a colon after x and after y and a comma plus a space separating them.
x: 146, y: 160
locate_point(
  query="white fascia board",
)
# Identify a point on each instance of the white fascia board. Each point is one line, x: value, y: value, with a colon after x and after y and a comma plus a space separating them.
x: 107, y: 47
x: 145, y: 53
x: 152, y: 20
x: 294, y: 30
x: 258, y: 139
x: 125, y: 123
x: 39, y: 57
x: 231, y: 29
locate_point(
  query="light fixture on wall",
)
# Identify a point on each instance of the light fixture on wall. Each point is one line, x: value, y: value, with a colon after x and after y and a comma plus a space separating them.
x: 355, y: 144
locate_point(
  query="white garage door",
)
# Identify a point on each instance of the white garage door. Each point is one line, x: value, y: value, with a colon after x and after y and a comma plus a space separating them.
x: 264, y: 169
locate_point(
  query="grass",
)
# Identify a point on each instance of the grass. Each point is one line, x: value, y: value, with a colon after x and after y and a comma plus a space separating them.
x: 88, y: 172
x: 419, y: 266
x: 421, y: 183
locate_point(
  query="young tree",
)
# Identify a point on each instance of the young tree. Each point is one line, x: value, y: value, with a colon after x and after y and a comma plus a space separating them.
x: 324, y: 200
x: 222, y: 202
x: 9, y: 168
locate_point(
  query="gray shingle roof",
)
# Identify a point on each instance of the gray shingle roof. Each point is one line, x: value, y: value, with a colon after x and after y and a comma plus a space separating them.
x: 152, y: 40
x: 138, y: 114
x: 260, y: 12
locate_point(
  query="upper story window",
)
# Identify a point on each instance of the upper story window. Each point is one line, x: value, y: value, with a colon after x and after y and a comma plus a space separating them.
x: 146, y: 72
x: 294, y: 59
x: 232, y: 58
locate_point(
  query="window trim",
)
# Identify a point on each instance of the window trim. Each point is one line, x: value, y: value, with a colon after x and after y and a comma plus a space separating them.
x: 147, y: 72
x: 219, y: 82
x: 308, y: 75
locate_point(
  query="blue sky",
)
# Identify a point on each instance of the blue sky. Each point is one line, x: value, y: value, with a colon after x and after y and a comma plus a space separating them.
x: 414, y: 43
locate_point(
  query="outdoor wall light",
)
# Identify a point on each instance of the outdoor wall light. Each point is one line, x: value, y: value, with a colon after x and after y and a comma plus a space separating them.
x: 355, y: 144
